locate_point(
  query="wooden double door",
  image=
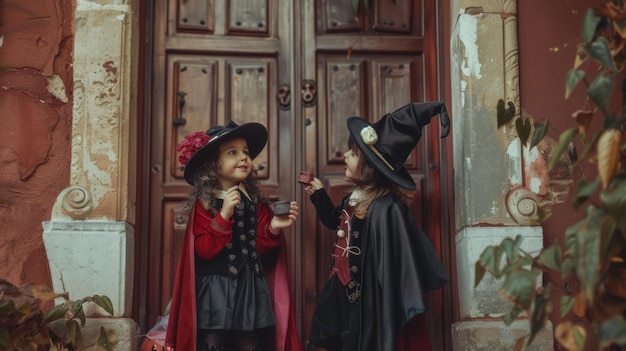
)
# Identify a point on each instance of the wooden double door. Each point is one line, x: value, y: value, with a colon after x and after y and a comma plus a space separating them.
x: 301, y: 68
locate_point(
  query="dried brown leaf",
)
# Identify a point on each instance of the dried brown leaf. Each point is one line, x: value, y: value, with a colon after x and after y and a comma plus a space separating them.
x: 611, y: 11
x: 579, y: 305
x: 583, y: 118
x: 608, y: 155
x: 565, y: 333
x: 581, y: 56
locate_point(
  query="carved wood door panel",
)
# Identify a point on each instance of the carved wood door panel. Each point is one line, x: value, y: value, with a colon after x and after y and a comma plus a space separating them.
x: 213, y: 60
x: 367, y: 66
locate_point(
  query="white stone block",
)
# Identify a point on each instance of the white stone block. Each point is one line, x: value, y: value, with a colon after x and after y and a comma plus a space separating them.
x: 92, y: 258
x: 484, y: 300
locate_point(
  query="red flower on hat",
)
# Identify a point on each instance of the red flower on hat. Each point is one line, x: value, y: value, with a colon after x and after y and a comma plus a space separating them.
x: 192, y: 143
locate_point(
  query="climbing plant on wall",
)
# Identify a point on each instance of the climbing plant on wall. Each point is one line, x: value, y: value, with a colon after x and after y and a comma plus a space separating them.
x: 594, y: 249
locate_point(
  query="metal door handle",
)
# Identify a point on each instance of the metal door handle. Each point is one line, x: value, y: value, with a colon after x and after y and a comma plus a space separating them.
x: 180, y: 120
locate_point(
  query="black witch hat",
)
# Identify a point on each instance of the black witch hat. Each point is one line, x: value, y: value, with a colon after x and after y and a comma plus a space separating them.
x: 389, y: 141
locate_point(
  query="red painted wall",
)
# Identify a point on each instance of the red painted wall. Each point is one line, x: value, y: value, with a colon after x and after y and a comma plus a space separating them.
x: 549, y: 32
x: 36, y: 44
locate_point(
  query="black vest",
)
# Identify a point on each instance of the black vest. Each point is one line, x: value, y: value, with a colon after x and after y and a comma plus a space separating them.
x: 242, y: 246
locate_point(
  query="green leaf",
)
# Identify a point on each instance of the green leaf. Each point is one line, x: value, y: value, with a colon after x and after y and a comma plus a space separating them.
x: 479, y: 273
x: 612, y: 331
x: 600, y: 90
x: 512, y: 247
x: 522, y: 127
x: 540, y: 132
x: 104, y: 302
x: 584, y: 190
x: 600, y: 51
x: 80, y: 314
x: 490, y: 259
x: 571, y: 153
x: 503, y: 114
x: 78, y: 305
x: 572, y: 79
x: 590, y: 23
x: 551, y: 257
x: 567, y: 267
x: 566, y: 304
x: 522, y: 262
x: 607, y: 232
x: 541, y: 312
x: 57, y: 312
x: 579, y: 337
x: 564, y: 140
x: 58, y: 329
x: 73, y: 331
x: 103, y: 340
x: 614, y: 201
x: 586, y: 235
x: 519, y: 287
x: 591, y: 145
x: 512, y: 315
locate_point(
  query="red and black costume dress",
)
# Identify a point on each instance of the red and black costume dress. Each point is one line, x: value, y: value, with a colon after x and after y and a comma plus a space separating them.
x: 381, y: 267
x: 232, y: 275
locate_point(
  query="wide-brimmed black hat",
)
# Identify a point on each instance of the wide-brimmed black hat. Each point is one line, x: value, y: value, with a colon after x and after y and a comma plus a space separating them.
x: 389, y: 141
x: 254, y: 133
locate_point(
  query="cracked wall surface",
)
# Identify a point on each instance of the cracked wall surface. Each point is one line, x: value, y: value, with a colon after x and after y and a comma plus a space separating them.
x: 36, y: 113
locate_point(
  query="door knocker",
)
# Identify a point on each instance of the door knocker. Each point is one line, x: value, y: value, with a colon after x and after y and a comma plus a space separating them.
x: 309, y: 93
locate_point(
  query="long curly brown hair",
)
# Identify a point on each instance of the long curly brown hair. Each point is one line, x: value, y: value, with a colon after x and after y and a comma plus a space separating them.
x: 207, y: 182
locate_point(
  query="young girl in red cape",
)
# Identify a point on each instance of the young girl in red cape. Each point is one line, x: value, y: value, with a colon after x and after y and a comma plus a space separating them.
x: 382, y: 263
x: 231, y: 288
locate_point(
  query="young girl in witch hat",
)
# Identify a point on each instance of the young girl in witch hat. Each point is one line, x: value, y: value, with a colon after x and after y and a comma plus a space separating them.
x: 231, y: 290
x: 382, y: 263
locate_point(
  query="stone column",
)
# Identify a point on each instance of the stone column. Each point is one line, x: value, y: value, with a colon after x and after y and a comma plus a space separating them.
x: 492, y: 199
x: 90, y: 236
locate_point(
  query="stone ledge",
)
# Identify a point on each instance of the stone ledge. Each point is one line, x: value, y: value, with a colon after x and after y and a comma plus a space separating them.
x: 126, y: 332
x: 495, y: 335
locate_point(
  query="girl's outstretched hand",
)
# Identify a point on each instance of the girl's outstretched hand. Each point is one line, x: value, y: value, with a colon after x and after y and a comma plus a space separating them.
x: 231, y: 200
x: 315, y: 185
x: 280, y: 222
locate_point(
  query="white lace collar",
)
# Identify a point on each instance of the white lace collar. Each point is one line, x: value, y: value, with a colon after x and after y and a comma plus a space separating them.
x: 221, y: 194
x: 355, y: 197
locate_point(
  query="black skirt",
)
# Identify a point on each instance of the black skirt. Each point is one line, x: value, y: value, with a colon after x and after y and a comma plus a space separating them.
x: 224, y: 303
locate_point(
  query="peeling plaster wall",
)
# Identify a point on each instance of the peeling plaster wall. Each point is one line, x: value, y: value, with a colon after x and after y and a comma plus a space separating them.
x: 36, y: 44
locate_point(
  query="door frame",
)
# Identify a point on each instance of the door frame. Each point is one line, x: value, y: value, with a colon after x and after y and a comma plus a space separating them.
x: 301, y: 273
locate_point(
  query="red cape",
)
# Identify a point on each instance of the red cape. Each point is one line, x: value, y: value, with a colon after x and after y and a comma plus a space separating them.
x: 181, y: 329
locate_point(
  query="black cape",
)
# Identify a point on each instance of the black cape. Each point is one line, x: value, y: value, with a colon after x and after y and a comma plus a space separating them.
x: 400, y: 263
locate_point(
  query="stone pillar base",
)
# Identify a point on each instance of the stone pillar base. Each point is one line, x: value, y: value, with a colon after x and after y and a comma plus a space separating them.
x: 89, y: 258
x: 497, y: 336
